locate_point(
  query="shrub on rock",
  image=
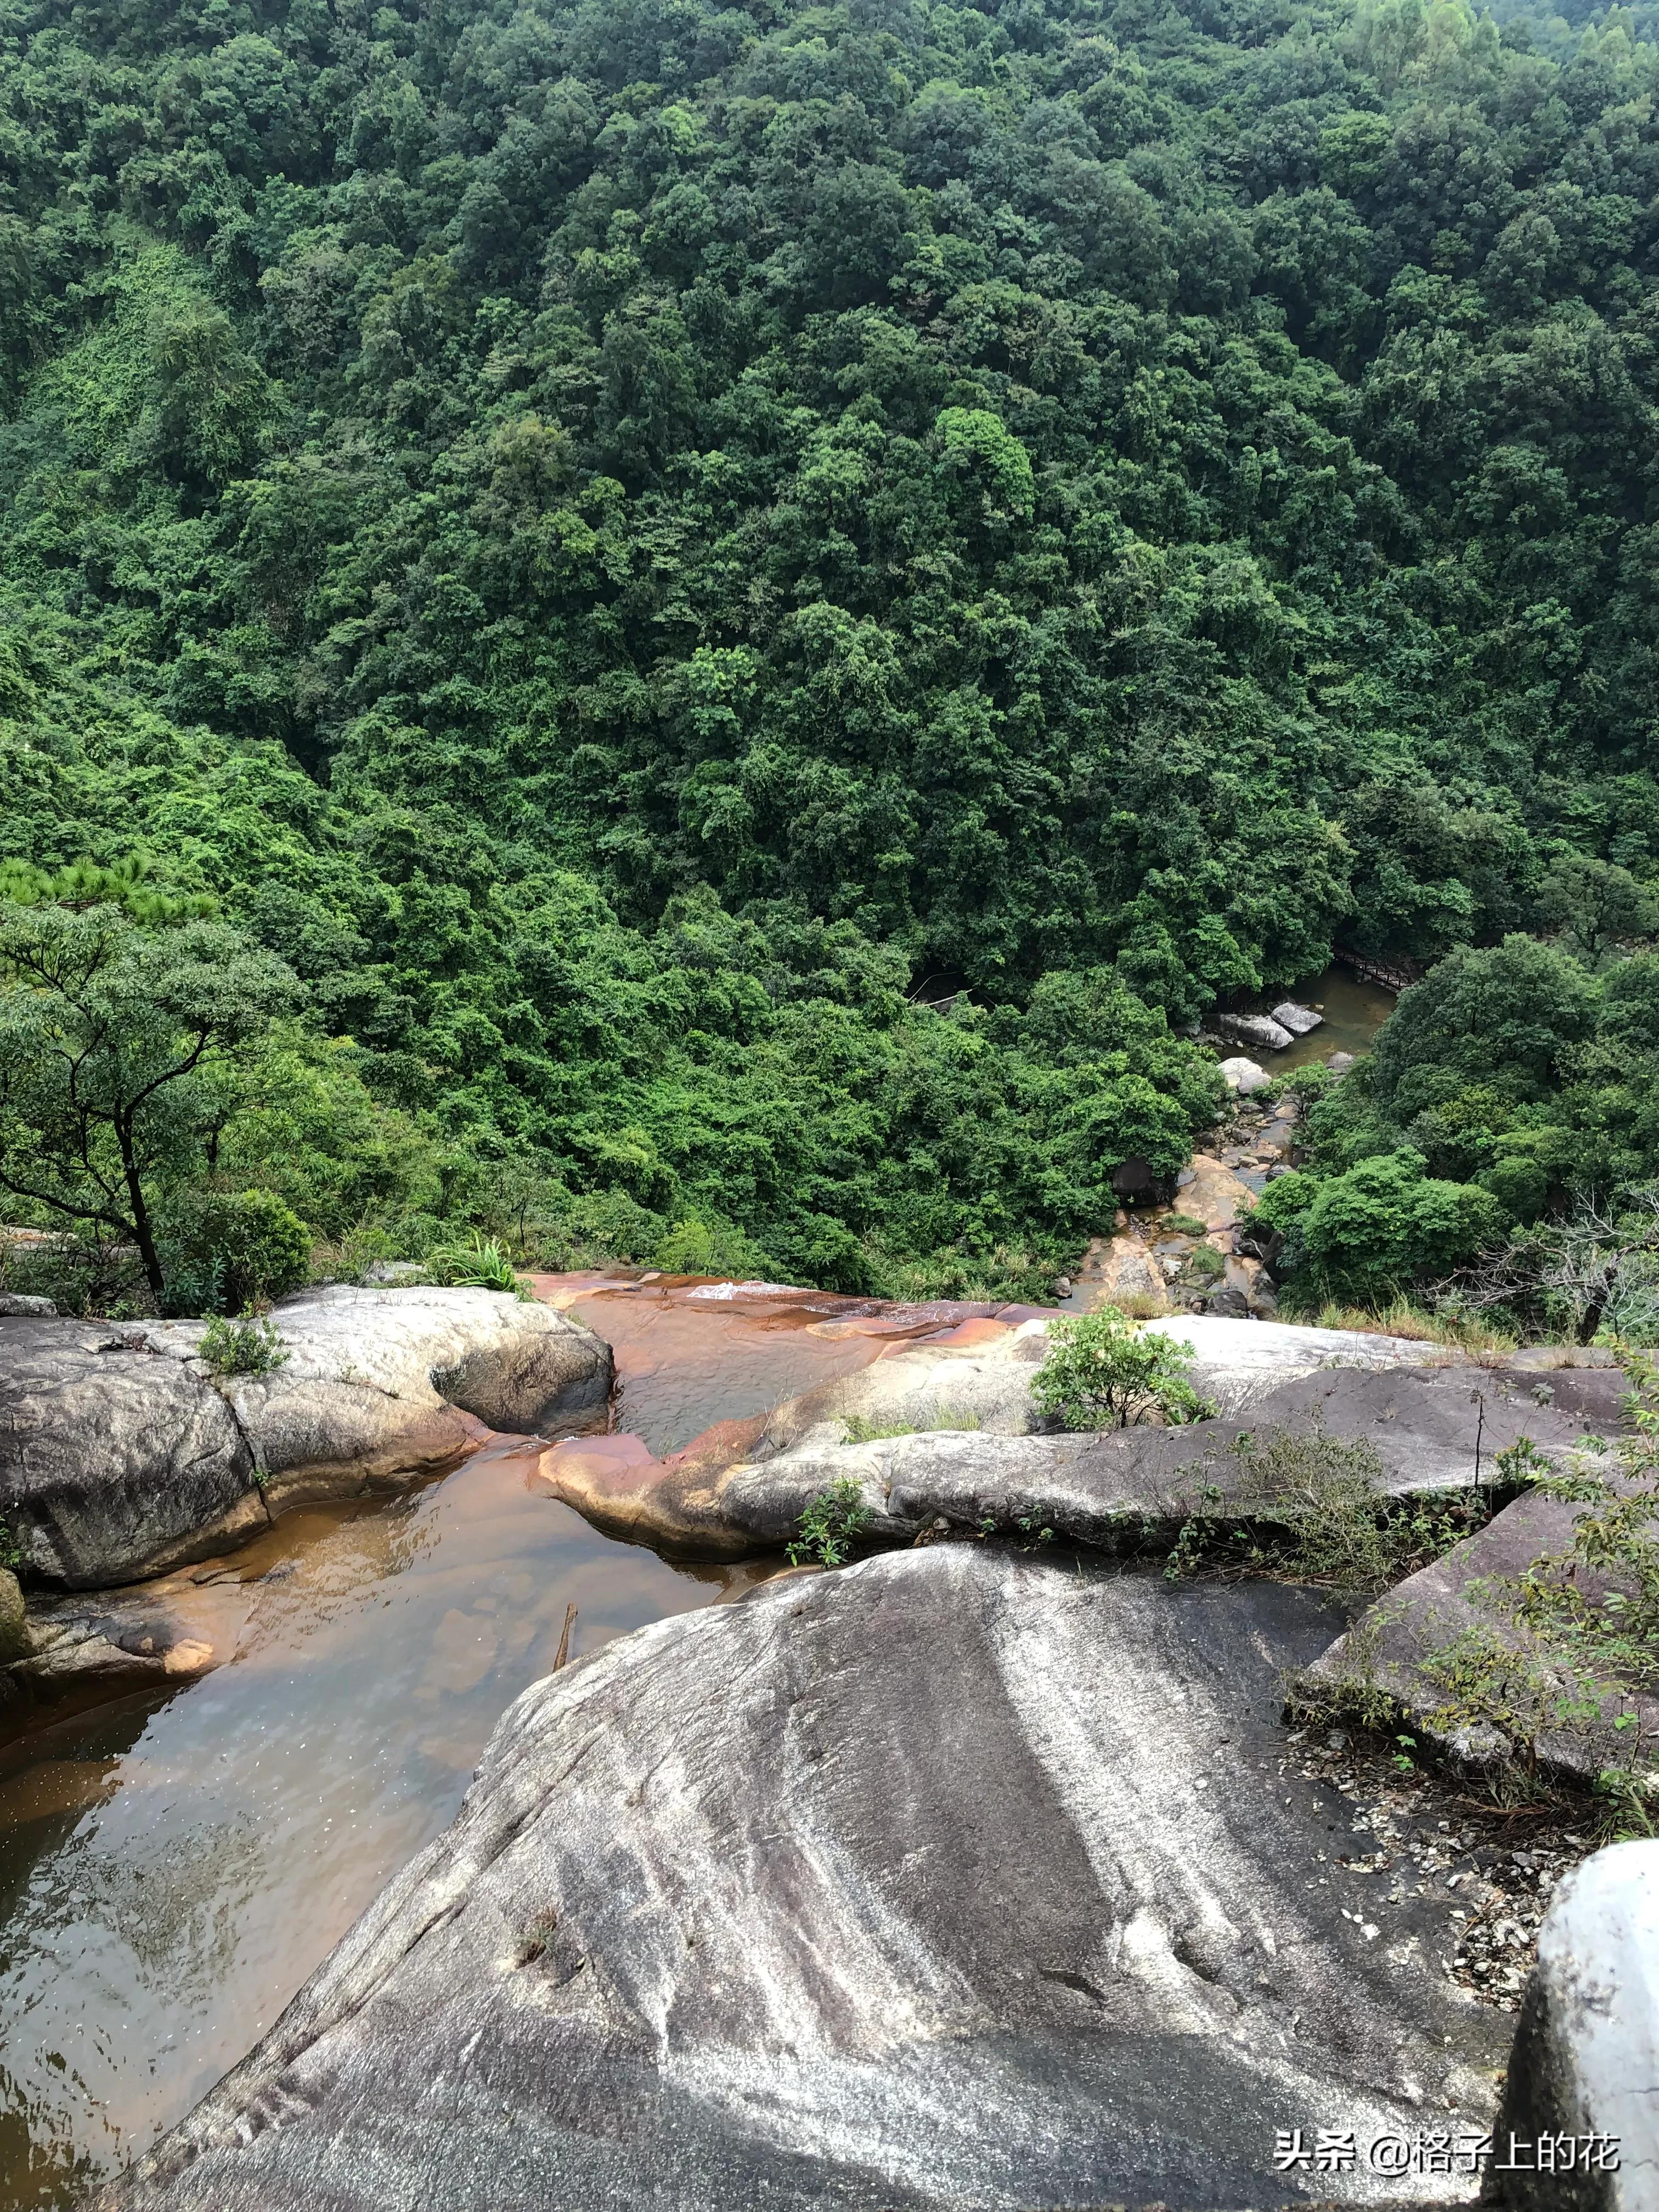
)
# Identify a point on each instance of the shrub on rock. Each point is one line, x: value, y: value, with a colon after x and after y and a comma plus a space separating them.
x: 1102, y: 1372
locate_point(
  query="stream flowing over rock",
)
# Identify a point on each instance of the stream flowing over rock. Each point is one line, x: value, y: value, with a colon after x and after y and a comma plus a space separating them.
x: 954, y: 1877
x: 122, y: 1453
x: 740, y: 1487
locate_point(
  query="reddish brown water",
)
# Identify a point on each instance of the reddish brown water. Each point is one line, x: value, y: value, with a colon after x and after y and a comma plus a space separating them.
x: 690, y: 1353
x: 172, y: 1869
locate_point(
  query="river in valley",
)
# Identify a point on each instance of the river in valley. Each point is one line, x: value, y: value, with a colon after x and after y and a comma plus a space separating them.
x: 1353, y: 1012
x: 172, y: 1869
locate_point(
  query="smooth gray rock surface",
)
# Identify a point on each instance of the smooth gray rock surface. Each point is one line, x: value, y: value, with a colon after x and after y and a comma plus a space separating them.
x: 1259, y: 1029
x: 1424, y: 1424
x: 122, y: 1454
x: 111, y: 1459
x: 730, y: 1494
x: 1243, y: 1076
x: 1586, y: 2059
x: 956, y: 1878
x: 1299, y: 1020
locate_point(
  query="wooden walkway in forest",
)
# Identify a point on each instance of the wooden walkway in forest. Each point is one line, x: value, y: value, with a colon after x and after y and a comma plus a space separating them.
x: 1396, y: 974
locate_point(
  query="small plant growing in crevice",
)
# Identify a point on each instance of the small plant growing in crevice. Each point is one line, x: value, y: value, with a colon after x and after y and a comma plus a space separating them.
x: 251, y: 1344
x: 481, y: 1265
x: 1311, y: 1507
x: 830, y: 1525
x: 862, y: 1431
x: 1182, y: 1225
x: 1102, y: 1372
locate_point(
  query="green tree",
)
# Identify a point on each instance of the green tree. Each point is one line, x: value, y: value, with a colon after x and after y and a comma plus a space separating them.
x: 110, y: 1040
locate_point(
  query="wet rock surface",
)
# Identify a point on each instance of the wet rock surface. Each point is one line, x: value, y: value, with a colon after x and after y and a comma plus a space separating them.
x: 111, y: 1459
x: 1431, y: 1430
x: 122, y: 1454
x: 952, y: 1423
x: 957, y: 1876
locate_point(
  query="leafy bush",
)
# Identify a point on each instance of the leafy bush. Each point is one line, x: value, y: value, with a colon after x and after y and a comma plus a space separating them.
x: 697, y: 1247
x: 830, y: 1525
x: 251, y: 1344
x: 1333, y: 1521
x: 1103, y: 1372
x: 1366, y: 1235
x: 228, y: 1250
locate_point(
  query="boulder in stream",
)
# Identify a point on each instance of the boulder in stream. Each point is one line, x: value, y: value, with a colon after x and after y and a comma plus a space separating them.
x: 122, y: 1453
x: 1244, y: 1077
x: 1260, y: 1030
x: 955, y: 1877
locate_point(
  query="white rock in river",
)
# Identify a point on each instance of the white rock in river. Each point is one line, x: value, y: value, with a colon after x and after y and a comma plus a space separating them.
x: 1243, y: 1076
x: 1298, y: 1020
x: 1258, y: 1030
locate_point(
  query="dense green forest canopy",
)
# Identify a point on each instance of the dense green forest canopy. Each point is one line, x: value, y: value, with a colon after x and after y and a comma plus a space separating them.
x: 621, y: 546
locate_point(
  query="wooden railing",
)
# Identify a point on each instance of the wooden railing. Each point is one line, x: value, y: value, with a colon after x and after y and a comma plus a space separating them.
x: 1391, y: 972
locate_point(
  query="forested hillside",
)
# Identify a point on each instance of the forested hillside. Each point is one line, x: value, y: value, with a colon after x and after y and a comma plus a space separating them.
x: 588, y: 558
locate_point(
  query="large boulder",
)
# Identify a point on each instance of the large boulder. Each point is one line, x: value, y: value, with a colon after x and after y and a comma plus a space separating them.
x: 122, y: 1453
x: 113, y: 1461
x: 1122, y: 1271
x: 953, y: 1878
x: 1430, y: 1431
x: 1243, y: 1076
x: 1235, y: 1364
x: 1260, y: 1030
x: 977, y: 1379
x: 1586, y: 2060
x: 1213, y: 1194
x: 14, y: 1623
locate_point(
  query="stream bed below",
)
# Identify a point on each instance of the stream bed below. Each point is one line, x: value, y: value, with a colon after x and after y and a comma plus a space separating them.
x: 172, y: 1867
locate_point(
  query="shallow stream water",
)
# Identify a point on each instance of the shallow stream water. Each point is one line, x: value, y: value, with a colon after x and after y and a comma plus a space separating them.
x: 1353, y: 1014
x: 174, y: 1868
